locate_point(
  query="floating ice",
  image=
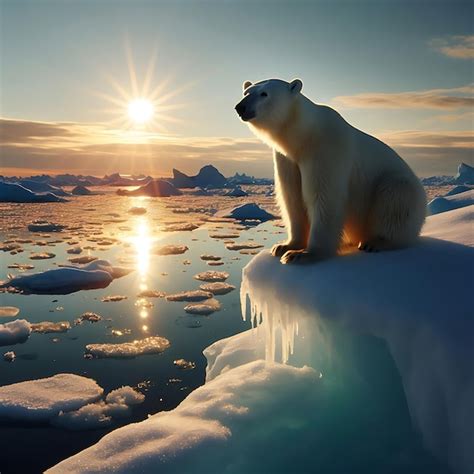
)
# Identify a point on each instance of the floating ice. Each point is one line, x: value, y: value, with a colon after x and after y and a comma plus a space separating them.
x: 250, y: 211
x: 90, y: 316
x: 204, y: 308
x: 207, y: 257
x: 125, y: 396
x: 244, y: 246
x: 45, y: 226
x: 212, y: 276
x: 9, y: 356
x: 81, y: 190
x: 171, y: 250
x: 149, y: 345
x: 8, y: 311
x: 60, y: 281
x: 237, y: 192
x: 184, y: 364
x: 192, y: 295
x: 47, y: 327
x: 43, y: 399
x: 137, y: 210
x: 217, y: 288
x: 156, y: 188
x: 181, y: 227
x: 14, y: 332
x: 11, y: 192
x: 113, y: 298
x: 42, y: 256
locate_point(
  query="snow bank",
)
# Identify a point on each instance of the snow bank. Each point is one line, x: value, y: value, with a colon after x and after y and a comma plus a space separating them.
x: 450, y: 202
x: 43, y: 399
x: 418, y: 300
x: 14, y: 332
x: 11, y: 192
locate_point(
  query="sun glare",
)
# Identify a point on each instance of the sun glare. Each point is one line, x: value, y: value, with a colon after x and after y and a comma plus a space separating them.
x: 140, y: 111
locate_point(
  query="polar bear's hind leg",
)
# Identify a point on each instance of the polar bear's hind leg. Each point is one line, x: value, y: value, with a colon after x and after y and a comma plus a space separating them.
x: 396, y: 216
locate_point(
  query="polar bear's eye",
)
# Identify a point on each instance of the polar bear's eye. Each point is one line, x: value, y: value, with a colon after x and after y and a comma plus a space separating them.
x: 263, y: 94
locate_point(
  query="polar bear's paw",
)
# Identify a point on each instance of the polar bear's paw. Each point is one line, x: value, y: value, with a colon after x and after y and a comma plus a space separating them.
x: 372, y: 246
x: 279, y: 250
x: 298, y: 256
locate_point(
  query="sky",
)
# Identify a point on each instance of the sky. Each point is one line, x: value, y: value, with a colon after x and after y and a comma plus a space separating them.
x: 401, y: 70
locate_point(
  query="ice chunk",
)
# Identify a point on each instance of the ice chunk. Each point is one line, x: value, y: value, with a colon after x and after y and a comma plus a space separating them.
x: 44, y: 226
x: 204, y: 308
x: 237, y: 192
x: 155, y: 188
x: 47, y: 327
x: 184, y: 364
x: 244, y: 246
x: 171, y: 250
x: 88, y: 417
x: 9, y: 356
x: 8, y: 311
x: 14, y: 332
x: 42, y: 256
x: 149, y: 345
x: 217, y: 288
x: 212, y: 276
x: 125, y: 396
x: 43, y: 399
x: 151, y: 294
x: 137, y: 210
x: 193, y: 295
x: 113, y: 298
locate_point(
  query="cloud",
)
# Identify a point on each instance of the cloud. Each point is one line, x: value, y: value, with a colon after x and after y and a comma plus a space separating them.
x: 96, y: 149
x: 37, y: 147
x: 431, y: 153
x: 442, y: 99
x: 460, y: 47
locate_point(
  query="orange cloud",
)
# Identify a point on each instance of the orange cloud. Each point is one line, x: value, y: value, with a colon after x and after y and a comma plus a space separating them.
x: 460, y: 47
x: 444, y: 99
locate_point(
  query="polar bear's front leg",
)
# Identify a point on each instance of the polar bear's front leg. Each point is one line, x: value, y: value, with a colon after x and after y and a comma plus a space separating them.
x: 325, y: 191
x: 290, y: 200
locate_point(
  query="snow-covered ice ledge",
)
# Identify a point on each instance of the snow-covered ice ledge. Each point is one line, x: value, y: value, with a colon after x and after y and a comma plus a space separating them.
x: 419, y: 301
x: 370, y: 328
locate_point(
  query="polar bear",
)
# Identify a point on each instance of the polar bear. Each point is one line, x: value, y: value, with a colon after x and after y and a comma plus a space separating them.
x: 335, y: 184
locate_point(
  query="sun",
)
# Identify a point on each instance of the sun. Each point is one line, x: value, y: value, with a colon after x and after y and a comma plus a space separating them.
x: 140, y: 111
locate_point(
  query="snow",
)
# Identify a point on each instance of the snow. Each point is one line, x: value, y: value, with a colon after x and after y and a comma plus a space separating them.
x: 456, y: 226
x: 42, y: 399
x: 11, y: 192
x: 250, y: 211
x: 100, y: 414
x: 14, y: 332
x: 149, y: 345
x: 448, y: 203
x: 370, y: 333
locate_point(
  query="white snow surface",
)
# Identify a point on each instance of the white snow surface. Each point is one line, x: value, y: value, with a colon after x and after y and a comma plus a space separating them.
x: 42, y: 399
x: 14, y: 332
x: 450, y: 202
x: 412, y: 311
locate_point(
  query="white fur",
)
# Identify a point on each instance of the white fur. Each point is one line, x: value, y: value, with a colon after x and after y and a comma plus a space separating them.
x: 332, y: 180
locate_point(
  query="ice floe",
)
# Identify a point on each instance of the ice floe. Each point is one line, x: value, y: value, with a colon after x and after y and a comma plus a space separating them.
x: 192, y: 295
x: 171, y: 250
x: 149, y: 345
x: 212, y: 276
x: 14, y: 332
x: 217, y: 288
x: 184, y: 364
x: 203, y: 308
x: 8, y: 311
x: 42, y: 399
x: 47, y: 327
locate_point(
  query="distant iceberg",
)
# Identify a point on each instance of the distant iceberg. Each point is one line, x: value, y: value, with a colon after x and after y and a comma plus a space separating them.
x: 156, y: 188
x: 250, y: 211
x: 208, y: 177
x: 12, y: 192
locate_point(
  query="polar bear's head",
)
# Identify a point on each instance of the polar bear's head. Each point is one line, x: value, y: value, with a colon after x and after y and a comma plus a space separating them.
x: 268, y: 104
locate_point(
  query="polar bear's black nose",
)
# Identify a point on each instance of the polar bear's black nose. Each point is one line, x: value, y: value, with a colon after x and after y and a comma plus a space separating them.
x: 240, y: 108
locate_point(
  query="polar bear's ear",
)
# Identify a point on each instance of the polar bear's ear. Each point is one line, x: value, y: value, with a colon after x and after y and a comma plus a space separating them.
x: 246, y: 84
x: 295, y: 86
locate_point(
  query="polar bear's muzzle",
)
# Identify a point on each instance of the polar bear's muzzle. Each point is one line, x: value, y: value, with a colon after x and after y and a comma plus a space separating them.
x: 244, y: 110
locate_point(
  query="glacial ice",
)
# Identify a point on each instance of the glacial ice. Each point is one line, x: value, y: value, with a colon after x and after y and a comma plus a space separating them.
x: 250, y: 211
x: 12, y: 192
x: 450, y: 202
